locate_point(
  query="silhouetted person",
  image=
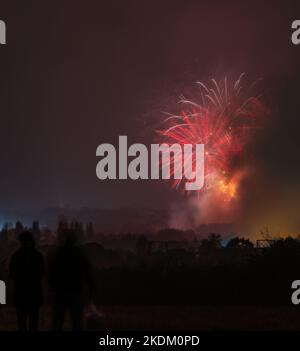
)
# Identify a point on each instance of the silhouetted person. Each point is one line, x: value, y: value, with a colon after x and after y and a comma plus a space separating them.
x: 70, y: 279
x: 27, y: 271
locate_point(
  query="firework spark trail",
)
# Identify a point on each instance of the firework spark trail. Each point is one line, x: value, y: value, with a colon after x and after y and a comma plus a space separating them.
x: 225, y: 121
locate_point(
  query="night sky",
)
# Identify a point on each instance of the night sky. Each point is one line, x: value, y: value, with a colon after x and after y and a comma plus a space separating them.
x: 78, y: 74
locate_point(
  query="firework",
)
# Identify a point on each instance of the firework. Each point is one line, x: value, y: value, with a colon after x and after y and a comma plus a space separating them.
x: 224, y: 118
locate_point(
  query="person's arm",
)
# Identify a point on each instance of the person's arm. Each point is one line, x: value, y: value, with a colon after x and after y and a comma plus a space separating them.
x: 88, y: 276
x: 42, y: 266
x: 12, y: 267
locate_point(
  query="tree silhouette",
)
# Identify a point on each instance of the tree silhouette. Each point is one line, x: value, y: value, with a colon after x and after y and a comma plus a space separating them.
x: 239, y: 243
x: 212, y: 242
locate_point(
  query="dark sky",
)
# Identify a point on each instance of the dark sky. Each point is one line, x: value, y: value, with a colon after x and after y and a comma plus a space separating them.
x: 78, y: 74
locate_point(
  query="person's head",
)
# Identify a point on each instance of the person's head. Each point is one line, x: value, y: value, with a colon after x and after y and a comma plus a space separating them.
x: 68, y: 237
x: 72, y: 238
x: 26, y: 239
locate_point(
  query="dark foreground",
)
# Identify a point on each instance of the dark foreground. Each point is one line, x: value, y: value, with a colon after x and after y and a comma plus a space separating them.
x: 198, y: 318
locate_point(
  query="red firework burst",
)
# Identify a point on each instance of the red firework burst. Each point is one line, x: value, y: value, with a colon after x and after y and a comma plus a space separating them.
x: 224, y: 121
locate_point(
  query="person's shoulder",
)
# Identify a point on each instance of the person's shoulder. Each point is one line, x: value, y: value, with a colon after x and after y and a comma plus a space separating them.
x: 77, y: 249
x: 16, y: 253
x: 38, y: 253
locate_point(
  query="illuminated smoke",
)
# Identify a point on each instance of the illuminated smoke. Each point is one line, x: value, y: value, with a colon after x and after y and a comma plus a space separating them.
x: 225, y: 116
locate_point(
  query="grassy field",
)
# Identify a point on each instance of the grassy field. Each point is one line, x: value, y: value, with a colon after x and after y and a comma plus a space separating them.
x: 180, y: 318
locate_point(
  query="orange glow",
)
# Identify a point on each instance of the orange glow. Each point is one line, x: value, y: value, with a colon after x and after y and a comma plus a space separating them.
x: 228, y: 189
